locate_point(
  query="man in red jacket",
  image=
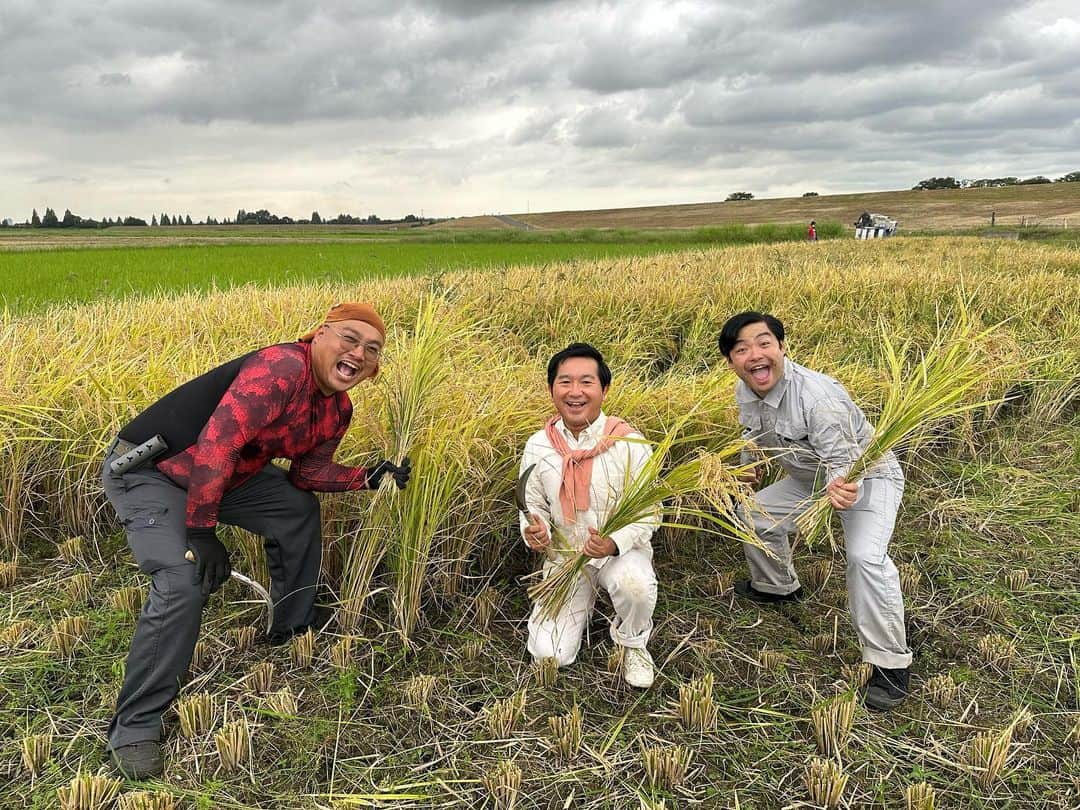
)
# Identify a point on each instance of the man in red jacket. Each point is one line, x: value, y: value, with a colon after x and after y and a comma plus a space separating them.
x: 220, y: 432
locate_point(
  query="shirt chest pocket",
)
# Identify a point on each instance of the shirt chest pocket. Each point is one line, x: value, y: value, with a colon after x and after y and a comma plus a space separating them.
x: 792, y: 431
x: 751, y: 423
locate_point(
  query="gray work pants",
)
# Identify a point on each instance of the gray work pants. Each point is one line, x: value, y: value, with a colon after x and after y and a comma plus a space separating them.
x: 152, y: 509
x: 873, y: 583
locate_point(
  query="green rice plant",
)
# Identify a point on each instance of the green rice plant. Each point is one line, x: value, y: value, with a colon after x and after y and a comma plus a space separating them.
x: 945, y: 377
x: 417, y: 691
x: 233, y: 743
x: 503, y: 784
x: 145, y: 800
x: 77, y: 588
x: 68, y: 632
x: 920, y: 796
x: 566, y: 733
x: 832, y: 722
x: 127, y: 600
x: 88, y: 792
x: 302, y: 648
x: 666, y: 766
x: 283, y: 701
x: 987, y: 754
x: 9, y: 572
x: 503, y: 716
x: 261, y: 677
x: 696, y: 708
x: 546, y: 671
x: 241, y: 639
x: 36, y: 752
x: 196, y: 714
x: 825, y: 781
x: 942, y: 690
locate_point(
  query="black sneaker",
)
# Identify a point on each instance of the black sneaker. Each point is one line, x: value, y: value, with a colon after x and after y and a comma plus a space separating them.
x: 887, y: 688
x: 746, y: 590
x: 140, y: 760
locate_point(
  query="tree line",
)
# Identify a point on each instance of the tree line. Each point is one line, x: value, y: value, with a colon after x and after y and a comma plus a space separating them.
x: 260, y: 217
x: 932, y: 183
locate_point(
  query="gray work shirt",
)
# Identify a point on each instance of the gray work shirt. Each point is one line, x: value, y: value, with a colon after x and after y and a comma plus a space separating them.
x: 809, y: 424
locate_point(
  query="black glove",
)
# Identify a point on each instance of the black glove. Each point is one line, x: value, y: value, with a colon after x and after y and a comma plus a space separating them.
x: 401, y: 474
x: 212, y: 565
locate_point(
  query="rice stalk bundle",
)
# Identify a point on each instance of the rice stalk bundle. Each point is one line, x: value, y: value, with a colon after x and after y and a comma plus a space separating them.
x: 832, y: 723
x: 417, y: 691
x: 341, y: 654
x: 939, y: 387
x: 546, y: 671
x: 566, y: 733
x: 196, y: 714
x: 502, y: 716
x: 503, y: 784
x: 16, y: 634
x: 36, y: 752
x: 472, y: 649
x: 233, y: 743
x: 302, y: 648
x: 723, y: 582
x: 920, y: 796
x: 816, y: 574
x: 261, y: 677
x: 1021, y: 721
x: 73, y: 550
x: 616, y: 658
x: 821, y: 643
x: 987, y: 754
x: 241, y: 639
x: 910, y: 578
x: 771, y: 660
x: 990, y: 607
x: 1074, y: 732
x: 68, y: 632
x: 77, y: 588
x: 127, y: 600
x: 88, y: 792
x: 1017, y: 580
x: 857, y: 675
x: 666, y: 766
x: 145, y: 800
x: 643, y: 500
x: 487, y: 602
x: 200, y: 656
x: 283, y: 701
x: 696, y: 708
x: 825, y: 781
x: 9, y: 572
x: 996, y: 650
x: 647, y: 803
x: 942, y: 690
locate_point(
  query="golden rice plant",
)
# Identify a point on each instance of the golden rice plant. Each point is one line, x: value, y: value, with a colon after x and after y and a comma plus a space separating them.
x: 145, y: 800
x: 233, y: 743
x: 417, y: 691
x: 816, y: 574
x: 546, y: 671
x: 341, y: 654
x: 68, y: 632
x: 910, y: 577
x: 302, y: 648
x: 833, y: 721
x: 127, y: 600
x: 77, y: 588
x: 666, y: 766
x: 990, y: 607
x: 261, y: 677
x: 696, y: 708
x: 196, y: 714
x: 996, y: 650
x: 9, y: 572
x: 942, y: 690
x: 73, y: 550
x: 503, y: 784
x: 566, y: 733
x: 241, y: 639
x: 920, y: 796
x: 825, y: 781
x: 36, y: 752
x: 943, y: 379
x: 503, y: 716
x: 487, y: 603
x: 16, y: 634
x: 88, y: 792
x: 283, y: 701
x: 1017, y: 580
x: 987, y: 753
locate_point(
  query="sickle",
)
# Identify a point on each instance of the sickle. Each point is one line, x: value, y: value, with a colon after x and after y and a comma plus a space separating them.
x: 255, y: 586
x: 519, y: 490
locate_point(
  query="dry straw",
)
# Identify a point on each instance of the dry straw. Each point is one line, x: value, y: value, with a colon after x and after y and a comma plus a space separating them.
x: 72, y: 551
x: 36, y: 751
x: 920, y: 796
x: 833, y: 721
x: 241, y: 639
x: 666, y: 766
x: 88, y: 792
x: 616, y: 658
x: 825, y: 781
x: 723, y: 582
x: 503, y: 716
x: 546, y: 671
x: 302, y: 648
x: 566, y: 733
x: 9, y: 572
x: 696, y: 709
x: 487, y: 602
x: 196, y: 714
x: 68, y: 632
x: 145, y: 800
x: 503, y: 784
x: 233, y: 743
x: 127, y: 600
x: 341, y: 654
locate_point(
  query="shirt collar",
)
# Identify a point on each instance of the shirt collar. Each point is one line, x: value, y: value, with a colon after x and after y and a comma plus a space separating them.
x: 592, y: 433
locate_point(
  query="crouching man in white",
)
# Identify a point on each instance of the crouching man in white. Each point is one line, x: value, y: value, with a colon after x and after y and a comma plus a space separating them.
x: 581, y: 470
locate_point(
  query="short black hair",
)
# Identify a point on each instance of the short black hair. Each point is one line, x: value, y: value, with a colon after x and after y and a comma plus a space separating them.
x: 579, y: 350
x: 729, y: 333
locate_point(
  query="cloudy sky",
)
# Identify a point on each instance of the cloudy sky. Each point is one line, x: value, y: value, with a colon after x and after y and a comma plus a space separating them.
x: 457, y: 107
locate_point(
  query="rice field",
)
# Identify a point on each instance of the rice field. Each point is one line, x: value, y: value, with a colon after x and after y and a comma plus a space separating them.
x: 421, y: 693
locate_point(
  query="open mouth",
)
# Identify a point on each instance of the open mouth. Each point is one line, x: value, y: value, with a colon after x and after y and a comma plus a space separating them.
x: 761, y: 374
x: 346, y: 370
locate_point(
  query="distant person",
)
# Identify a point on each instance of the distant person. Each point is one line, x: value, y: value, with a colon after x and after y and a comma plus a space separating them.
x: 811, y: 232
x: 809, y: 425
x: 220, y: 432
x: 581, y: 471
x: 993, y: 218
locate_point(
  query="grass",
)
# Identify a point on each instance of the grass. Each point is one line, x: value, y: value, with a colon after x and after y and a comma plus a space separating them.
x: 460, y: 714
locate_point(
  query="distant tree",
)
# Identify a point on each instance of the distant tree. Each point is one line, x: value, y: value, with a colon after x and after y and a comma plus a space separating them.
x: 163, y: 219
x: 69, y: 220
x: 153, y: 220
x: 739, y: 195
x: 810, y: 194
x: 187, y: 220
x: 994, y: 182
x: 1034, y: 181
x: 35, y: 220
x: 49, y: 220
x: 134, y: 221
x: 1071, y: 177
x: 315, y: 218
x: 933, y: 183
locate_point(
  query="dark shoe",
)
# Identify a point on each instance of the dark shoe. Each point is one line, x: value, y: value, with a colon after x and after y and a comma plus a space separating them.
x: 887, y: 688
x: 139, y: 760
x: 322, y: 618
x: 747, y: 591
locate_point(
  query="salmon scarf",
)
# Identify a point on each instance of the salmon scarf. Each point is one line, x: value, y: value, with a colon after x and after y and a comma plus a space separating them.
x: 577, y: 464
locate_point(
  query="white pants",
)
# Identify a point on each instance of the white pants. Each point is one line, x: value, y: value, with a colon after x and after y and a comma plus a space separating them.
x: 630, y: 581
x: 873, y: 583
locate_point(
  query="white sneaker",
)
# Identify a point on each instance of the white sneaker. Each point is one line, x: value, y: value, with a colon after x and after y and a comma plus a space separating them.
x: 638, y: 668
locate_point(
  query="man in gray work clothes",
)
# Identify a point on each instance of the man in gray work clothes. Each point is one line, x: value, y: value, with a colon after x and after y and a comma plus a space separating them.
x: 808, y: 423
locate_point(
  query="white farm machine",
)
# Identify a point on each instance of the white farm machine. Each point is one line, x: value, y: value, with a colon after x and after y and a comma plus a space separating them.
x: 874, y: 226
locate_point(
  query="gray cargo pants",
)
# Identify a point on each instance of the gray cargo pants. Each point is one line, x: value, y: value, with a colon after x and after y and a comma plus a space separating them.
x: 873, y: 583
x: 152, y: 509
